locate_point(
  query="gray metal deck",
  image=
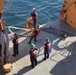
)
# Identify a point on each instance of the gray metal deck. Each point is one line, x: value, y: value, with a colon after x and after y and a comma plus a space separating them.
x: 62, y: 59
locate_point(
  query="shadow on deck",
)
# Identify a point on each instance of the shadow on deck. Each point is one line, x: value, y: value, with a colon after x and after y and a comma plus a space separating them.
x: 67, y: 66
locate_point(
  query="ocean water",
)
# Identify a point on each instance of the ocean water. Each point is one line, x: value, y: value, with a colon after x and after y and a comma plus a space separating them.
x: 17, y: 11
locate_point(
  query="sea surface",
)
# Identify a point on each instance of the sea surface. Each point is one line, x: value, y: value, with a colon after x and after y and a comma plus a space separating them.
x: 17, y: 11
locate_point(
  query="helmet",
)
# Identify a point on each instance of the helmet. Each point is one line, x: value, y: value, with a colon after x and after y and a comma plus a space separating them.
x: 32, y: 45
x: 34, y: 10
x: 37, y: 25
x: 47, y: 39
x: 15, y: 35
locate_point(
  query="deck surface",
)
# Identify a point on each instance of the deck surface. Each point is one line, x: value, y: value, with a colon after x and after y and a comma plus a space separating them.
x: 62, y: 60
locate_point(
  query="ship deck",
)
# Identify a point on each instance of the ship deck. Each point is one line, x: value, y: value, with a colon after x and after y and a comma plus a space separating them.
x: 62, y: 60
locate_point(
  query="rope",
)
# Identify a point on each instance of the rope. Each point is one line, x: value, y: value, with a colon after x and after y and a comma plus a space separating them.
x: 27, y: 30
x: 18, y: 28
x: 9, y: 28
x: 6, y: 7
x: 7, y: 4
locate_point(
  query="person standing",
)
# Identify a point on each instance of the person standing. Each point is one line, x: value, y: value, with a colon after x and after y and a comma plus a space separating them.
x: 34, y: 15
x: 15, y: 45
x: 47, y: 45
x: 34, y: 35
x: 33, y: 53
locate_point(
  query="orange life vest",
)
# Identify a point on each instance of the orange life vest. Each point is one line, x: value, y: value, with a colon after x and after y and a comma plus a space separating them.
x: 47, y: 45
x: 34, y: 52
x: 36, y: 32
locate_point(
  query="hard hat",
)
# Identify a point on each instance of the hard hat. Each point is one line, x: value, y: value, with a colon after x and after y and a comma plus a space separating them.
x: 33, y: 9
x: 15, y: 34
x: 47, y: 39
x: 32, y: 45
x: 37, y: 25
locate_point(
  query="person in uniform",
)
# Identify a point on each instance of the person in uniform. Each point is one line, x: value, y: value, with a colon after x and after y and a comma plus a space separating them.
x: 15, y: 45
x: 34, y: 16
x: 33, y: 53
x: 34, y: 35
x: 46, y: 46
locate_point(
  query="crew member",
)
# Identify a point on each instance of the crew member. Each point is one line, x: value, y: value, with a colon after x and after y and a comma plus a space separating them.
x: 34, y: 15
x: 15, y: 45
x: 33, y: 53
x: 34, y: 35
x: 47, y: 45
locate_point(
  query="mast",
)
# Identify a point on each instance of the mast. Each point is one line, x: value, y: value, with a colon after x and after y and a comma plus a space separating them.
x: 1, y: 7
